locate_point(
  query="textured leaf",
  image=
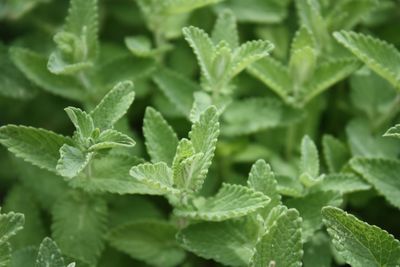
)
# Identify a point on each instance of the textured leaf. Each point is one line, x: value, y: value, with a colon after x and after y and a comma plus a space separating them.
x: 359, y: 243
x: 225, y: 29
x: 5, y: 254
x: 202, y: 47
x: 262, y: 179
x: 157, y: 176
x: 327, y: 74
x: 336, y: 154
x: 204, y: 135
x: 20, y: 199
x: 72, y: 161
x: 34, y: 67
x: 382, y: 174
x: 230, y: 242
x: 310, y: 207
x: 161, y: 140
x: 343, y: 182
x: 177, y: 88
x: 281, y: 244
x: 273, y: 74
x: 378, y: 55
x: 248, y: 53
x: 37, y: 146
x: 111, y: 174
x: 82, y: 122
x: 150, y: 241
x: 110, y: 139
x: 253, y: 115
x: 393, y: 131
x: 10, y: 224
x: 302, y: 65
x: 13, y: 83
x: 49, y: 255
x: 114, y: 105
x: 79, y: 223
x: 309, y: 157
x: 303, y: 38
x: 141, y: 46
x: 231, y: 201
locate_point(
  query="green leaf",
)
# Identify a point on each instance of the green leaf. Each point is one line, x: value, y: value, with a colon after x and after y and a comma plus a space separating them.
x: 177, y: 88
x: 231, y: 201
x: 34, y: 67
x: 157, y: 177
x: 303, y: 38
x: 204, y: 135
x: 336, y: 154
x: 393, y: 131
x: 111, y: 174
x: 161, y: 140
x: 359, y: 243
x: 82, y: 121
x: 78, y: 42
x: 230, y: 242
x: 382, y: 174
x: 343, y: 182
x: 111, y: 138
x: 302, y: 65
x: 10, y: 224
x: 309, y: 164
x: 13, y: 83
x: 37, y: 146
x: 273, y: 74
x: 317, y: 252
x: 25, y: 257
x: 262, y: 179
x: 5, y: 254
x: 72, y: 161
x: 253, y: 115
x: 225, y: 29
x: 184, y: 6
x: 141, y: 46
x: 49, y: 255
x: 113, y: 105
x: 378, y: 55
x: 79, y: 223
x: 150, y: 241
x: 203, y: 48
x: 281, y: 245
x: 310, y: 207
x: 248, y: 53
x: 326, y: 75
x: 20, y: 199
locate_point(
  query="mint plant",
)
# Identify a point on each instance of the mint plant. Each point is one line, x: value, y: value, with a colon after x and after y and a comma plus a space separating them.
x: 258, y: 133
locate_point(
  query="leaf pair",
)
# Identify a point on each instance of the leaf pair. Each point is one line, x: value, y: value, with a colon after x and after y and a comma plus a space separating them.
x: 77, y: 44
x: 220, y: 57
x: 305, y: 76
x: 67, y: 156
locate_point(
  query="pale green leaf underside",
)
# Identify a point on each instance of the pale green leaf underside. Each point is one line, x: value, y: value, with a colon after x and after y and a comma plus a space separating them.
x: 383, y: 174
x: 157, y: 177
x: 231, y: 201
x: 359, y: 243
x: 161, y: 140
x: 49, y: 255
x: 72, y: 161
x: 230, y: 242
x: 37, y: 146
x: 380, y: 56
x: 281, y: 244
x: 150, y: 241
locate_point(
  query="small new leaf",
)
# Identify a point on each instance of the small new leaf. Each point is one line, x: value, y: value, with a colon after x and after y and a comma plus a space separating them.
x: 49, y: 255
x: 72, y: 161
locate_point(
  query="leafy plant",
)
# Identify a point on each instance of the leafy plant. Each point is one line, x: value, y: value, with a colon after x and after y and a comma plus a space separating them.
x: 258, y: 129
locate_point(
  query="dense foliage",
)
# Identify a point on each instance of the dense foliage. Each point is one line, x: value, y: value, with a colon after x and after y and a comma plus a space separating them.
x: 261, y: 133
